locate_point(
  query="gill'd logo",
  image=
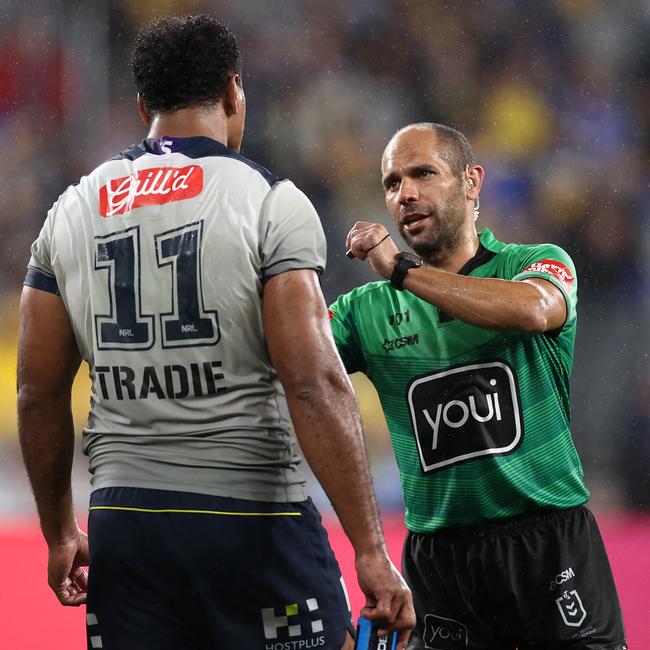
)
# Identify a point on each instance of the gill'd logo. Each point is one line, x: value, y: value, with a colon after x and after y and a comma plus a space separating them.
x: 154, y: 186
x: 465, y: 413
x: 559, y: 271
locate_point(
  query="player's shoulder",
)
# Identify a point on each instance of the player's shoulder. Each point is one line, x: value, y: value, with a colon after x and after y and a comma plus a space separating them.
x: 195, y: 148
x: 168, y: 169
x: 147, y: 168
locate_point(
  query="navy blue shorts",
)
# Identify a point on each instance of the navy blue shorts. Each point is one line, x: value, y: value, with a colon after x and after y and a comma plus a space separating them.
x: 181, y: 571
x: 537, y: 582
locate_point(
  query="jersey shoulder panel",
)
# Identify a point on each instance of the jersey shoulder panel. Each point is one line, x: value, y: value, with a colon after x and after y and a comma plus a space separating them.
x: 524, y: 254
x: 290, y: 232
x: 551, y: 263
x: 194, y: 147
x: 547, y: 261
x: 41, y: 266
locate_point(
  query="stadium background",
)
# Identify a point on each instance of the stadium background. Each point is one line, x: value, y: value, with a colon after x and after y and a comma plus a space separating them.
x: 555, y: 96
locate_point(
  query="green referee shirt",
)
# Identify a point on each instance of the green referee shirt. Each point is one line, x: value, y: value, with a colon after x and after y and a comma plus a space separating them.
x: 479, y: 419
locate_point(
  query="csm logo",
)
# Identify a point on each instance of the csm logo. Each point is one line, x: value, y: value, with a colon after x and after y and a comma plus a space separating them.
x: 465, y: 413
x: 401, y: 342
x: 443, y: 633
x: 292, y: 626
x: 561, y: 578
x: 571, y: 607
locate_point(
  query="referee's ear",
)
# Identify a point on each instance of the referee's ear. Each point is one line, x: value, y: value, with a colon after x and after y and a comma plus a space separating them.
x: 145, y: 116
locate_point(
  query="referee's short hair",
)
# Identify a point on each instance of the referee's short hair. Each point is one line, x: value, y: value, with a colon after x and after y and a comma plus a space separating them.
x: 457, y: 151
x: 183, y: 62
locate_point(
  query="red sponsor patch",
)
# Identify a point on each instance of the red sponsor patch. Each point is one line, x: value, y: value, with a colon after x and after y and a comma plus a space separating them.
x: 558, y: 270
x: 153, y: 186
x: 330, y: 313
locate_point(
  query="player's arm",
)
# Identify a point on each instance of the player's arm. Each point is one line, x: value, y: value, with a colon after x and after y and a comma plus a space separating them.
x: 48, y: 360
x: 325, y: 416
x: 530, y: 305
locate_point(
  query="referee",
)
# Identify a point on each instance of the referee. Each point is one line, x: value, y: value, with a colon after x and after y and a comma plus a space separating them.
x: 469, y: 343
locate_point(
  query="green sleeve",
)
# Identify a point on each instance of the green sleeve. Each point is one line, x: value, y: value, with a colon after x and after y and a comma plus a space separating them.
x: 346, y: 335
x: 552, y: 263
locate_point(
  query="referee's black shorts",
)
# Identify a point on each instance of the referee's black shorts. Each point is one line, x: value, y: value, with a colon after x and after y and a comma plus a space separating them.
x: 537, y: 582
x: 181, y: 571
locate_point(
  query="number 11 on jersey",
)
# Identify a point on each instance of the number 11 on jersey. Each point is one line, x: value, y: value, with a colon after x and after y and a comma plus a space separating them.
x: 125, y: 326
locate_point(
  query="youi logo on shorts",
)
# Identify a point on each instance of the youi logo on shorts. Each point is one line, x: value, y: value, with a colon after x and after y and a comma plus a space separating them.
x: 296, y: 627
x: 154, y: 186
x: 464, y: 413
x: 442, y: 633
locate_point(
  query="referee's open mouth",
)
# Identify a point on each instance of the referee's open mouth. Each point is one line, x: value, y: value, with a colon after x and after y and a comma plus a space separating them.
x: 414, y: 221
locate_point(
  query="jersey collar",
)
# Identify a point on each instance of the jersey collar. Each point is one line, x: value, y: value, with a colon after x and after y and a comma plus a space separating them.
x: 488, y: 240
x: 194, y: 147
x: 488, y: 247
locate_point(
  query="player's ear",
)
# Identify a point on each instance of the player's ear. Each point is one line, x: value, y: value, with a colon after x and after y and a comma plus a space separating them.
x: 145, y: 116
x: 233, y: 96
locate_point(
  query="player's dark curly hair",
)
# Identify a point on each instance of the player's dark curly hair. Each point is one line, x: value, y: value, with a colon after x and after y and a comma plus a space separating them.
x: 183, y: 62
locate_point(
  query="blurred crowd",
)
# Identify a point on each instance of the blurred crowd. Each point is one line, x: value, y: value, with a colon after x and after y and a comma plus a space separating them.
x: 554, y: 96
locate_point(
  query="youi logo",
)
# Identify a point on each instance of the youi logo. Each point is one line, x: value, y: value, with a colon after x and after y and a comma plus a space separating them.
x: 442, y: 633
x: 463, y: 413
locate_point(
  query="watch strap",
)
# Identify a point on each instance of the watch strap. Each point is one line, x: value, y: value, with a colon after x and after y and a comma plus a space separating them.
x: 403, y: 265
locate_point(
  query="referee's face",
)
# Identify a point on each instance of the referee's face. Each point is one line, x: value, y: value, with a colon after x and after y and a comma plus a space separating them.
x: 423, y: 195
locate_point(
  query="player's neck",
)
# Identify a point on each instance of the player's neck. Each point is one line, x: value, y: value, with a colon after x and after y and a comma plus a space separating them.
x: 191, y: 122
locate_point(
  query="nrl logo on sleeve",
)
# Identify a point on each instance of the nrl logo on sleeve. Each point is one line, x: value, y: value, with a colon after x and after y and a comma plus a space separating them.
x: 558, y: 270
x: 465, y: 413
x: 154, y: 186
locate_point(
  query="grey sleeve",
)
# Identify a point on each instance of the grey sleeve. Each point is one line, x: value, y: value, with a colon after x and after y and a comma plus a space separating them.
x: 291, y: 235
x: 40, y: 270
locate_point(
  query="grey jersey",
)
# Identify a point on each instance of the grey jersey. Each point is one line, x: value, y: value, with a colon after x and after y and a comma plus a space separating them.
x: 160, y: 256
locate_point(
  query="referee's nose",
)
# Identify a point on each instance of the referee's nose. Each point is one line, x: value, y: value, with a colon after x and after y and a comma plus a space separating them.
x: 408, y: 190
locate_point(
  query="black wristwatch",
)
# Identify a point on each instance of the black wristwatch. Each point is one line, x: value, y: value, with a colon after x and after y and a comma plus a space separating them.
x: 405, y: 262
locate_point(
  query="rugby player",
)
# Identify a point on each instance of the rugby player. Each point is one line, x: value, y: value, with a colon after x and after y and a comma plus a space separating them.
x: 470, y: 346
x: 186, y: 276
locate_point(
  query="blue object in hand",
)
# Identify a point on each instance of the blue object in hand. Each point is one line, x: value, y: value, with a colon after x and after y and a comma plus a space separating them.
x: 369, y: 639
